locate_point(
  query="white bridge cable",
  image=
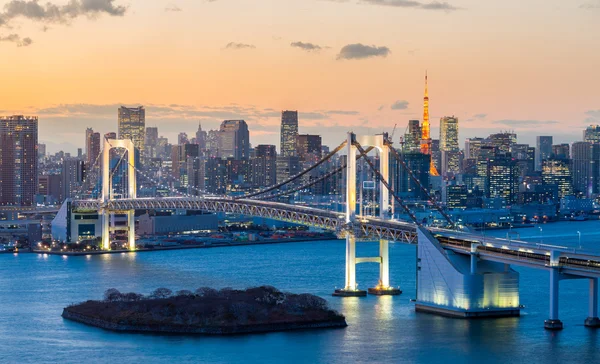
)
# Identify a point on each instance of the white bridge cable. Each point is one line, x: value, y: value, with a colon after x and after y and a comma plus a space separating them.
x: 386, y: 184
x: 291, y: 179
x: 88, y: 177
x: 423, y: 189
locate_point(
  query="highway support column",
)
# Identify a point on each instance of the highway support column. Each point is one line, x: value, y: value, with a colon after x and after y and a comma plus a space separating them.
x: 593, y: 320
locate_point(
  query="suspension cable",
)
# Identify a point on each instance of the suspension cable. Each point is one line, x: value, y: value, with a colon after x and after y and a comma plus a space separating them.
x: 279, y: 185
x: 386, y: 184
x: 312, y: 183
x: 423, y: 189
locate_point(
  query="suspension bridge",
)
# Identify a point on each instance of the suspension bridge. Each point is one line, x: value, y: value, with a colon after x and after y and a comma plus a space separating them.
x: 458, y: 273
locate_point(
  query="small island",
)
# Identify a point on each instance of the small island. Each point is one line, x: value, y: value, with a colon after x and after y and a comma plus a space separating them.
x: 206, y: 311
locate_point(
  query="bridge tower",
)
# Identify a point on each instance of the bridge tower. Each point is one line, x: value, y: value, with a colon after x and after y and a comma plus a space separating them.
x: 108, y: 195
x: 350, y: 289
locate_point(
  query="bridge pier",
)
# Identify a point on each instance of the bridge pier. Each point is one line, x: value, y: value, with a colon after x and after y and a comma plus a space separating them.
x: 383, y: 287
x: 593, y: 320
x: 350, y: 288
x: 105, y: 215
x: 553, y: 323
x: 131, y: 229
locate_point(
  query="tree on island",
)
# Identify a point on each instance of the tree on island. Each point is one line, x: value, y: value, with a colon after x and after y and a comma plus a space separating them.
x: 161, y: 293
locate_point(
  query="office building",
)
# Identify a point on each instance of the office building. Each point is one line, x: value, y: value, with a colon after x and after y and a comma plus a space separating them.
x: 561, y: 151
x: 234, y: 140
x: 308, y: 148
x: 412, y: 139
x: 449, y: 134
x: 132, y: 125
x: 543, y: 150
x: 92, y: 147
x: 152, y: 142
x: 18, y: 160
x: 558, y: 172
x: 289, y: 133
x: 503, y: 142
x: 264, y: 166
x: 592, y: 134
x: 73, y: 175
x: 503, y: 178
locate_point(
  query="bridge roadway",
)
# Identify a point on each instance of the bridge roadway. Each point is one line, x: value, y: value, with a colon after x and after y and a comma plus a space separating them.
x: 540, y: 256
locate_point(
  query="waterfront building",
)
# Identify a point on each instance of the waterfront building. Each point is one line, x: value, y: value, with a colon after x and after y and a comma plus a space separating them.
x: 289, y: 133
x: 18, y: 160
x: 558, y: 172
x: 543, y: 150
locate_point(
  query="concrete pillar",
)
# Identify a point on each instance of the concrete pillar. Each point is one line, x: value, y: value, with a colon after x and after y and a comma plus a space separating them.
x: 105, y: 215
x: 593, y: 320
x: 350, y: 179
x: 553, y: 323
x: 131, y: 229
x: 384, y: 194
x: 384, y: 266
x: 350, y: 263
x: 474, y: 258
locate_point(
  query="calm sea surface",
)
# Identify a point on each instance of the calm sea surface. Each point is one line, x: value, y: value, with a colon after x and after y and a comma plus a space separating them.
x: 35, y: 288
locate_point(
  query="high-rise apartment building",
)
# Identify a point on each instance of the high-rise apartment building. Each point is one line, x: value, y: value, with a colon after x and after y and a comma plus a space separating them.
x: 92, y: 146
x: 234, y: 140
x: 289, y: 133
x: 132, y: 125
x: 18, y: 160
x: 543, y: 150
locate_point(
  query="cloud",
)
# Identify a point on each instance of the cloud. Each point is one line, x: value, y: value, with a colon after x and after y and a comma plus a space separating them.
x: 172, y: 8
x: 15, y: 38
x: 435, y: 5
x: 361, y: 51
x: 309, y: 47
x: 526, y: 123
x: 480, y: 116
x: 400, y: 105
x: 590, y: 5
x: 593, y: 117
x: 233, y: 45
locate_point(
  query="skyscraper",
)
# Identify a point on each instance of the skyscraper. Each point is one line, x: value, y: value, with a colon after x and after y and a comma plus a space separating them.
x: 201, y: 136
x: 582, y: 168
x: 426, y: 131
x: 592, y: 134
x: 412, y: 139
x: 264, y: 166
x: 73, y: 174
x: 503, y: 178
x: 132, y: 125
x: 308, y: 148
x: 451, y: 158
x: 18, y: 160
x: 503, y: 141
x: 234, y: 140
x: 289, y: 133
x: 151, y: 142
x: 543, y: 150
x: 92, y: 146
x: 558, y: 172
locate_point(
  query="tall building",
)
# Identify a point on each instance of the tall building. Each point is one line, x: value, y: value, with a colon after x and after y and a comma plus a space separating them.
x: 41, y: 150
x: 234, y: 140
x: 289, y: 133
x: 561, y: 151
x: 73, y: 174
x: 412, y: 139
x: 18, y: 160
x: 132, y: 125
x: 592, y: 134
x: 264, y: 166
x: 182, y: 138
x: 426, y: 147
x: 151, y: 142
x: 503, y: 142
x: 581, y: 167
x: 92, y: 146
x: 472, y: 147
x: 503, y: 178
x: 201, y: 136
x: 308, y: 148
x: 419, y: 163
x: 543, y: 150
x: 558, y: 172
x: 451, y: 157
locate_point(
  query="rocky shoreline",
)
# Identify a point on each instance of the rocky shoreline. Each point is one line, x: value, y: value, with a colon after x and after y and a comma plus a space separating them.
x: 223, y: 330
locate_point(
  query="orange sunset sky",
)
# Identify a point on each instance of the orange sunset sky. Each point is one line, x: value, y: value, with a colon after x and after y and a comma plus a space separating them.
x: 531, y: 66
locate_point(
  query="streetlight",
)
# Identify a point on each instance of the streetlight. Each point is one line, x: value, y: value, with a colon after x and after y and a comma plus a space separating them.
x: 579, y: 235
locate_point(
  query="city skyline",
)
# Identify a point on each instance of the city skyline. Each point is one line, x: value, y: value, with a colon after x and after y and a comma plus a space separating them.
x: 523, y: 78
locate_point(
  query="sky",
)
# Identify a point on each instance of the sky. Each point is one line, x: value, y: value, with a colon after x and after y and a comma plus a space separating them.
x: 530, y: 66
